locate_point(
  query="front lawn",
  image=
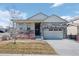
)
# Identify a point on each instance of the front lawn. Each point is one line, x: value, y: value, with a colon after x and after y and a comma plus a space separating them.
x: 27, y: 48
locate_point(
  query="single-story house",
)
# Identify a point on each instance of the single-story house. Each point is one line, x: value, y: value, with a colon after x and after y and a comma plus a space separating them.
x: 43, y: 26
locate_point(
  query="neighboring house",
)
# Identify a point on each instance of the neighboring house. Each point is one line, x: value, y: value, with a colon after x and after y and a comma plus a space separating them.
x: 73, y: 28
x: 43, y: 26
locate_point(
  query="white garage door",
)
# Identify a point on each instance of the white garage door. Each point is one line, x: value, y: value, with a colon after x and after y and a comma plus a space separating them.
x: 53, y: 34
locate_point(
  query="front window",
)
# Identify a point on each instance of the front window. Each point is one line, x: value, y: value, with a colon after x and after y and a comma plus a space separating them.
x: 60, y: 29
x: 28, y: 28
x: 55, y: 29
x: 21, y: 28
x: 51, y: 29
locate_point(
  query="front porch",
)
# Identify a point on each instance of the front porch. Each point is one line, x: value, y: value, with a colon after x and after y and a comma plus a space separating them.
x: 28, y: 29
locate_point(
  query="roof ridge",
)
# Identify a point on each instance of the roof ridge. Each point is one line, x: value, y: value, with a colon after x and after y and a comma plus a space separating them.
x: 37, y: 14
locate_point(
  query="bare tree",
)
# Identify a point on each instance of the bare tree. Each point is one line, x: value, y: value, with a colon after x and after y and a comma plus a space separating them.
x: 14, y: 16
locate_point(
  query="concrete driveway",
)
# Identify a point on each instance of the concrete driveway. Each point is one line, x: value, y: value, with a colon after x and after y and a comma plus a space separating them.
x: 65, y: 47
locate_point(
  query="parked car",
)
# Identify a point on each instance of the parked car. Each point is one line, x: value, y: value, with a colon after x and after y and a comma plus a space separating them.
x: 1, y: 31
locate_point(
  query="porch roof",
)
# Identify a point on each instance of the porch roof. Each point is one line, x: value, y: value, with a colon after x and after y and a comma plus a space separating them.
x: 27, y: 21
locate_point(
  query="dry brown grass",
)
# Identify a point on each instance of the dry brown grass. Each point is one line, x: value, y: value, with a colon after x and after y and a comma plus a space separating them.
x: 27, y: 48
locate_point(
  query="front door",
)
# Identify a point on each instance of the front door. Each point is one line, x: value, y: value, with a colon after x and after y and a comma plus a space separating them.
x: 37, y: 29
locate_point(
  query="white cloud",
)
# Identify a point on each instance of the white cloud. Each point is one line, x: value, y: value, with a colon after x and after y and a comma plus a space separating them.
x: 5, y: 17
x: 67, y: 17
x: 56, y: 4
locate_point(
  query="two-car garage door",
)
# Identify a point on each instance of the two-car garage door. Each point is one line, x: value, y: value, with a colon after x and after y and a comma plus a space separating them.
x: 53, y: 34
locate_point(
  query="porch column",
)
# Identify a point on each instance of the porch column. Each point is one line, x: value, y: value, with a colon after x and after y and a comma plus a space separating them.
x: 64, y: 32
x: 42, y: 31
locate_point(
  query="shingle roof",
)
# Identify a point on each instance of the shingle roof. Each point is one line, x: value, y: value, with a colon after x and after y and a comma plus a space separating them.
x: 43, y: 17
x: 55, y: 18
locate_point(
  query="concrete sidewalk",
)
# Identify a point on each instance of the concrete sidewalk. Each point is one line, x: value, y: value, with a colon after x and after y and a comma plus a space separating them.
x: 65, y: 47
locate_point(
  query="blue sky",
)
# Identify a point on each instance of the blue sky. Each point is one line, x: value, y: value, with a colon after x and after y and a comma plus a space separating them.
x: 64, y: 10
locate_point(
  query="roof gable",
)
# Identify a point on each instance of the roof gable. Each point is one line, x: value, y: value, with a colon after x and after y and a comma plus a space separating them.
x: 39, y: 16
x: 75, y: 20
x: 54, y: 18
